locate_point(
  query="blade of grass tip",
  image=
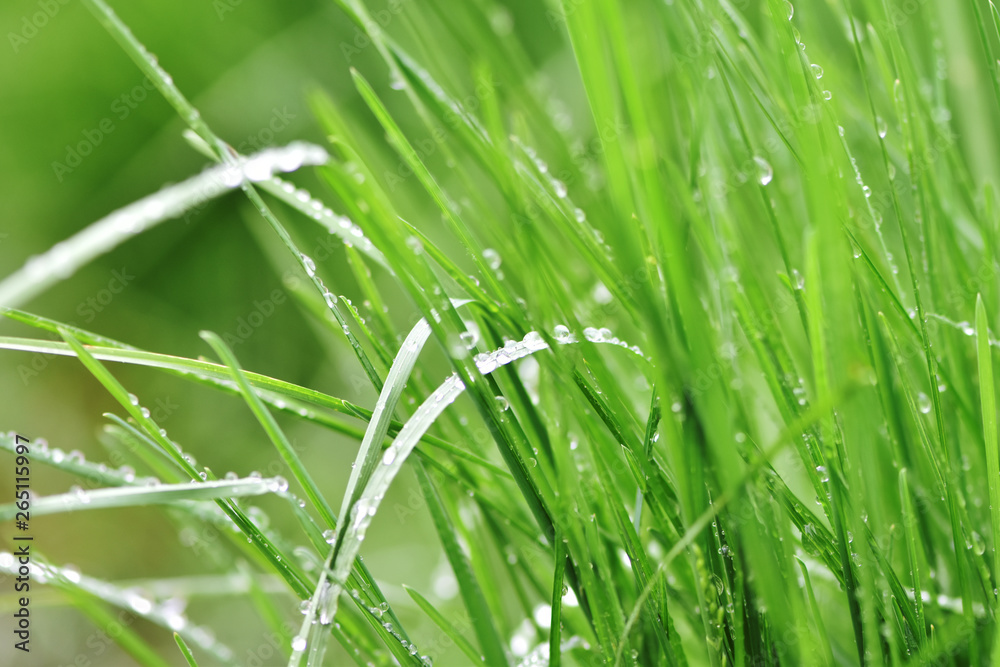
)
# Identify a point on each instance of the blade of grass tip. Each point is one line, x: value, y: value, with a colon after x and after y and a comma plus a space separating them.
x: 185, y: 651
x: 988, y: 401
x: 144, y: 495
x: 270, y: 425
x: 361, y: 511
x: 475, y: 603
x: 66, y: 257
x: 327, y: 593
x: 446, y: 626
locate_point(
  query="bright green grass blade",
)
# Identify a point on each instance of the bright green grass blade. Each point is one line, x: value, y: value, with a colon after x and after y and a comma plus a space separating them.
x: 446, y: 626
x: 185, y: 651
x: 291, y: 398
x: 274, y: 432
x: 988, y: 401
x: 479, y: 613
x: 152, y: 495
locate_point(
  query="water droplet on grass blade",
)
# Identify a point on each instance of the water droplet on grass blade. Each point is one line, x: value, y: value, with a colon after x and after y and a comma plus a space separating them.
x: 817, y: 70
x: 881, y: 126
x: 923, y: 403
x: 764, y: 171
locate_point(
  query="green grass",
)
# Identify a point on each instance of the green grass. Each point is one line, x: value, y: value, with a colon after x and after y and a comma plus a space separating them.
x: 678, y: 315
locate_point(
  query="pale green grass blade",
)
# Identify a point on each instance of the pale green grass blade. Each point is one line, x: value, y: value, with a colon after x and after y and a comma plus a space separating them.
x: 147, y: 495
x: 65, y: 258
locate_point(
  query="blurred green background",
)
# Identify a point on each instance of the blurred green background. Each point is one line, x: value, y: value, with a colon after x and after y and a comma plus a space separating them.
x: 247, y: 66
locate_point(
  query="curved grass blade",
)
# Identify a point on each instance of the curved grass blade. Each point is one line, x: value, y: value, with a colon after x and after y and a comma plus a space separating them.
x: 144, y: 495
x: 65, y: 258
x: 364, y: 509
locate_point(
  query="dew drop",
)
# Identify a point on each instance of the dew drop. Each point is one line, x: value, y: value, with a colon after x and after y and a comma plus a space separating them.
x: 502, y: 403
x: 764, y: 171
x: 923, y: 403
x: 817, y: 70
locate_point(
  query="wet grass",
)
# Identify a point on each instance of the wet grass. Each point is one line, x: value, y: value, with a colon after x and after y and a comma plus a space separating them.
x: 725, y: 318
